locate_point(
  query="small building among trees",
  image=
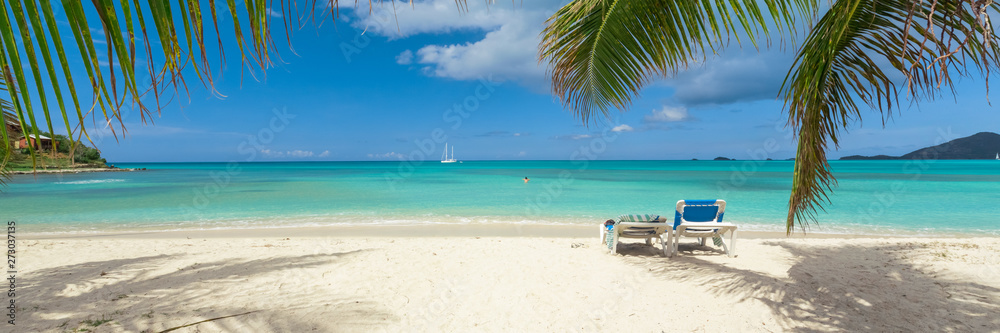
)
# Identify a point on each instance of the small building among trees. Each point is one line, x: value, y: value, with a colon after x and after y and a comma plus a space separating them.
x: 40, y: 142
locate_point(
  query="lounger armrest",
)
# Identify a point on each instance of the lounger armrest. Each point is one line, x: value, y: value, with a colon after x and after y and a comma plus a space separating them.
x: 707, y: 225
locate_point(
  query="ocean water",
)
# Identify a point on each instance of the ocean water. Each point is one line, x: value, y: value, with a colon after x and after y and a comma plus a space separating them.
x: 872, y: 197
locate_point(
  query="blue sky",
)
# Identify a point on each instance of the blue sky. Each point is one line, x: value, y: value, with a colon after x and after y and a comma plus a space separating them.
x: 399, y: 83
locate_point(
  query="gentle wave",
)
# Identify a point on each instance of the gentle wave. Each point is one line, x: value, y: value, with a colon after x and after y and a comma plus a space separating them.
x: 92, y: 181
x: 354, y: 220
x: 870, y: 198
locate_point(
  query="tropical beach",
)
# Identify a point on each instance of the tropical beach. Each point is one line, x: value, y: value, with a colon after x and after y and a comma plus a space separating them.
x: 358, y: 265
x: 530, y: 278
x: 464, y: 166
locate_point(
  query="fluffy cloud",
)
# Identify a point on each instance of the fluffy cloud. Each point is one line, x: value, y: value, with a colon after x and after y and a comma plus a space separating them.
x: 501, y: 134
x: 507, y: 52
x: 734, y: 77
x: 389, y: 155
x: 622, y: 128
x: 433, y: 16
x: 288, y: 153
x: 573, y: 137
x: 325, y: 153
x: 300, y: 153
x: 405, y: 58
x: 274, y: 13
x: 667, y: 114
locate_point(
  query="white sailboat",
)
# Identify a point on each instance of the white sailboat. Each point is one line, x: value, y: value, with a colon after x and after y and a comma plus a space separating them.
x: 998, y: 156
x: 444, y: 158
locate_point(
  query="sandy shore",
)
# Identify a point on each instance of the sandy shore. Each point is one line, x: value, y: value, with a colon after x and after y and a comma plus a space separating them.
x: 501, y: 278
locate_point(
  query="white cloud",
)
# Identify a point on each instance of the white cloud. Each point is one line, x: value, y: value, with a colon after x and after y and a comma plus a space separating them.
x: 288, y: 153
x: 622, y: 128
x: 300, y: 153
x: 735, y: 77
x: 434, y: 16
x: 502, y: 134
x: 507, y: 52
x: 389, y: 155
x: 573, y: 137
x: 274, y: 13
x: 667, y: 114
x: 325, y: 153
x: 405, y: 58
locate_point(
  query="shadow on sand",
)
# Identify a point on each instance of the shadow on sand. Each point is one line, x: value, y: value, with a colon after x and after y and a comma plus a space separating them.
x: 874, y: 288
x: 135, y: 295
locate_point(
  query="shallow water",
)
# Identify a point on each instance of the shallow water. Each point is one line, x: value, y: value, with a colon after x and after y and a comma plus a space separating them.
x: 908, y: 197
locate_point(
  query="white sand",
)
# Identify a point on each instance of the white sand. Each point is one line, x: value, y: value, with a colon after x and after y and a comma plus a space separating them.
x: 153, y: 282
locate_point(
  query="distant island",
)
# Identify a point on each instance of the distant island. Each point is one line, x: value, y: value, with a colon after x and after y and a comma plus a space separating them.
x: 979, y: 146
x: 720, y: 158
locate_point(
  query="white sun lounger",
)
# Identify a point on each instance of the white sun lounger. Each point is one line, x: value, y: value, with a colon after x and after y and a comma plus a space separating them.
x: 645, y: 226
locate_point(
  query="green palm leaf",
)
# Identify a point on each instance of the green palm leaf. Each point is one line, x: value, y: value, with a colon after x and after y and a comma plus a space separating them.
x: 602, y: 52
x: 6, y: 149
x: 27, y: 26
x: 846, y: 58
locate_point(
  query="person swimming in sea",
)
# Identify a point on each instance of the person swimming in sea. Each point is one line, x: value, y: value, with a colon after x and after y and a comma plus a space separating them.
x: 526, y: 180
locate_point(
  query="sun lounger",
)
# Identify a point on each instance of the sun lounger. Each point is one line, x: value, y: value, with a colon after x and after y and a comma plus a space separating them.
x: 645, y: 226
x: 702, y: 219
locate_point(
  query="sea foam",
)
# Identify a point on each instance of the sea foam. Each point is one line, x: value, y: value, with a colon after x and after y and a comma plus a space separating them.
x: 92, y: 181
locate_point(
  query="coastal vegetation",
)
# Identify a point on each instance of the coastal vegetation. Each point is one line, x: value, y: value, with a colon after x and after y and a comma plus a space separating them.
x: 601, y: 54
x: 61, y: 154
x: 82, y: 157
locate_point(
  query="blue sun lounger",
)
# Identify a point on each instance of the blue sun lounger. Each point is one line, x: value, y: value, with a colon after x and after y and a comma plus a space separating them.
x: 702, y: 219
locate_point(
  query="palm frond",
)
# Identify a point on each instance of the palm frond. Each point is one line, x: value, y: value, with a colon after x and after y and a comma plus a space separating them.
x: 6, y: 149
x: 171, y: 42
x: 850, y: 55
x: 601, y: 53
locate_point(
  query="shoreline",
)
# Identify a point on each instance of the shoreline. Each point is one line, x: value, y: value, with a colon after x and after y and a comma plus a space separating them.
x: 79, y: 170
x: 436, y: 231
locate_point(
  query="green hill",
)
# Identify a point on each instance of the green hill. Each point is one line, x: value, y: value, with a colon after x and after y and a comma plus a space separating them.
x: 980, y: 146
x: 82, y: 156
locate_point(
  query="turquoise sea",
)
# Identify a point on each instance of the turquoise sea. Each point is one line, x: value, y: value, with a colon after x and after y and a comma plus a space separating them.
x: 901, y: 197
